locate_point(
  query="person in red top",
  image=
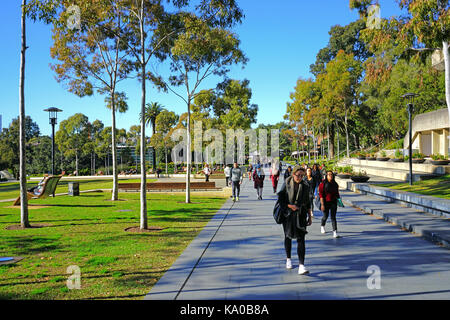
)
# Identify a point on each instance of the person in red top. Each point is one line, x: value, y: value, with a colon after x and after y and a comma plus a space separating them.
x: 329, y: 195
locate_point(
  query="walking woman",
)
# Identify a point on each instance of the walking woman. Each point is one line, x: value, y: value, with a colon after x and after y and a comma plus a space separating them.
x: 287, y: 173
x: 312, y: 184
x: 329, y: 195
x: 294, y: 198
x: 207, y: 172
x: 250, y: 171
x: 317, y: 174
x: 274, y: 176
x: 258, y: 178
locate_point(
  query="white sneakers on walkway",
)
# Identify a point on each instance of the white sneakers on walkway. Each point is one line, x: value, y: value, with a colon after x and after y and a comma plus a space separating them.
x: 302, y: 269
x: 288, y: 264
x: 335, y: 234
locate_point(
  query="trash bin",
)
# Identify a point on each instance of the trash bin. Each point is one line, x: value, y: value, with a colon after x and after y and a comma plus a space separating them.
x: 74, y: 189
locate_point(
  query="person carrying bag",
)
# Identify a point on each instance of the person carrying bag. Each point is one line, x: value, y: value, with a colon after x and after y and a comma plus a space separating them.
x: 329, y: 199
x: 293, y: 210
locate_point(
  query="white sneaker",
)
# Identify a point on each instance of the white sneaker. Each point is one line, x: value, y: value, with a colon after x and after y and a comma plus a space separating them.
x: 335, y: 235
x: 302, y: 269
x: 322, y: 229
x: 288, y: 264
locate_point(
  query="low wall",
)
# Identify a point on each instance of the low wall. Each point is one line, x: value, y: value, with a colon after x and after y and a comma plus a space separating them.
x: 421, y: 167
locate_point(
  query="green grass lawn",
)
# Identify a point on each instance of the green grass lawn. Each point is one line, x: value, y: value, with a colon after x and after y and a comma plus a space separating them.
x: 88, y: 231
x: 437, y: 187
x: 10, y: 190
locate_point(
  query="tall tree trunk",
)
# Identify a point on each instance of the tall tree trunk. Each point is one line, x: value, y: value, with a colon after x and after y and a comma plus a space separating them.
x: 115, y: 190
x: 24, y: 221
x: 328, y: 134
x: 143, y: 209
x: 165, y: 151
x: 188, y: 154
x: 346, y: 134
x: 76, y: 162
x: 331, y: 142
x: 337, y: 131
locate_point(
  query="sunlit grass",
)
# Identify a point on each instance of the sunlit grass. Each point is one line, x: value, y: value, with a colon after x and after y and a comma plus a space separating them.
x: 88, y: 231
x: 437, y: 187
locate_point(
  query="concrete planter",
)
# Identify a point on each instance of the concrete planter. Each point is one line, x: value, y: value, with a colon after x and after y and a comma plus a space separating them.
x: 361, y: 158
x: 344, y: 175
x: 360, y: 178
x: 439, y: 162
x: 371, y: 159
x: 397, y: 160
x: 418, y: 160
x: 383, y: 159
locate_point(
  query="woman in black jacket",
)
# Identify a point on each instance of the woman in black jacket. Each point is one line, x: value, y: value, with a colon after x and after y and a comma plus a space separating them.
x: 294, y: 199
x: 312, y: 184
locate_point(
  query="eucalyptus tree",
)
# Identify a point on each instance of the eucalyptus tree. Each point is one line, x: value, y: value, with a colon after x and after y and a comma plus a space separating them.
x: 201, y: 50
x: 72, y: 138
x: 92, y: 56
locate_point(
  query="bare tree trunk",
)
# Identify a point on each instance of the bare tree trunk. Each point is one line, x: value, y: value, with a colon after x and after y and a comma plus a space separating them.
x: 346, y: 135
x: 188, y: 155
x: 337, y: 131
x: 115, y: 191
x: 165, y: 150
x: 24, y: 222
x: 143, y: 209
x: 76, y: 162
x: 328, y: 133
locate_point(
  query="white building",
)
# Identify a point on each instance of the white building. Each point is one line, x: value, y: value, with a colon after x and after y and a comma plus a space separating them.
x: 430, y: 133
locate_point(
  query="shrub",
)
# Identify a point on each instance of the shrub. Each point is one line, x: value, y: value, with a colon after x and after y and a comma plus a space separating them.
x: 418, y: 155
x: 437, y: 156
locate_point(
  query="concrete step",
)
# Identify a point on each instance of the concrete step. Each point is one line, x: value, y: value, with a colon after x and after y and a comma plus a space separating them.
x: 433, y: 228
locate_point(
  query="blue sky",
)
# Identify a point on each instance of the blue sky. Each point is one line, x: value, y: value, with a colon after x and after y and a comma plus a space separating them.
x: 280, y: 38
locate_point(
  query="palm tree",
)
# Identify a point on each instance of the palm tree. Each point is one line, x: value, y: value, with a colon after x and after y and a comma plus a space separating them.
x: 151, y: 112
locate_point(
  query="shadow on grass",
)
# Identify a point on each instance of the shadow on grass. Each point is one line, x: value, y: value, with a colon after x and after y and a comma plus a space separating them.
x: 31, y: 245
x: 78, y: 205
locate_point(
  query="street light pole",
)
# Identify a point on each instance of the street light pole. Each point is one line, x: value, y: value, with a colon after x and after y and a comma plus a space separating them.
x: 410, y: 98
x: 53, y: 119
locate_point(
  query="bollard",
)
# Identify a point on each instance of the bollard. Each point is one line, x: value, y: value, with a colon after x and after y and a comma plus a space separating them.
x: 74, y: 189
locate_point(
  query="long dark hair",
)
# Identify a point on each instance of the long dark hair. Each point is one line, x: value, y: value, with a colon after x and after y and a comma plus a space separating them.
x: 328, y: 185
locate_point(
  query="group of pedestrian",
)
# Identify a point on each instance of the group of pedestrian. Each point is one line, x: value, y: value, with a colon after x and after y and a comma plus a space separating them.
x: 296, y: 197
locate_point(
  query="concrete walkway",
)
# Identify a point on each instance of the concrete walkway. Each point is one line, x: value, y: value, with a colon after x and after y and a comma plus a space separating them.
x: 240, y: 255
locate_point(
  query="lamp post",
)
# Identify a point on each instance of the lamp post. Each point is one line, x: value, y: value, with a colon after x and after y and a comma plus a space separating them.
x: 53, y: 117
x: 409, y: 97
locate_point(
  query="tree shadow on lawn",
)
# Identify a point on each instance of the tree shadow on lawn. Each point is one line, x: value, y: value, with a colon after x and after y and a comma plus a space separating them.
x: 30, y: 245
x: 79, y: 205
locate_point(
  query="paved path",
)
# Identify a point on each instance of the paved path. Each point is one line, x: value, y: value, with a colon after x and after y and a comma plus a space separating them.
x: 240, y: 255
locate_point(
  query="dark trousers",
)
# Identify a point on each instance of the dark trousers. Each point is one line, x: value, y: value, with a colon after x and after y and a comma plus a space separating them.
x: 227, y: 179
x: 300, y: 248
x: 207, y: 177
x: 236, y: 186
x: 330, y: 208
